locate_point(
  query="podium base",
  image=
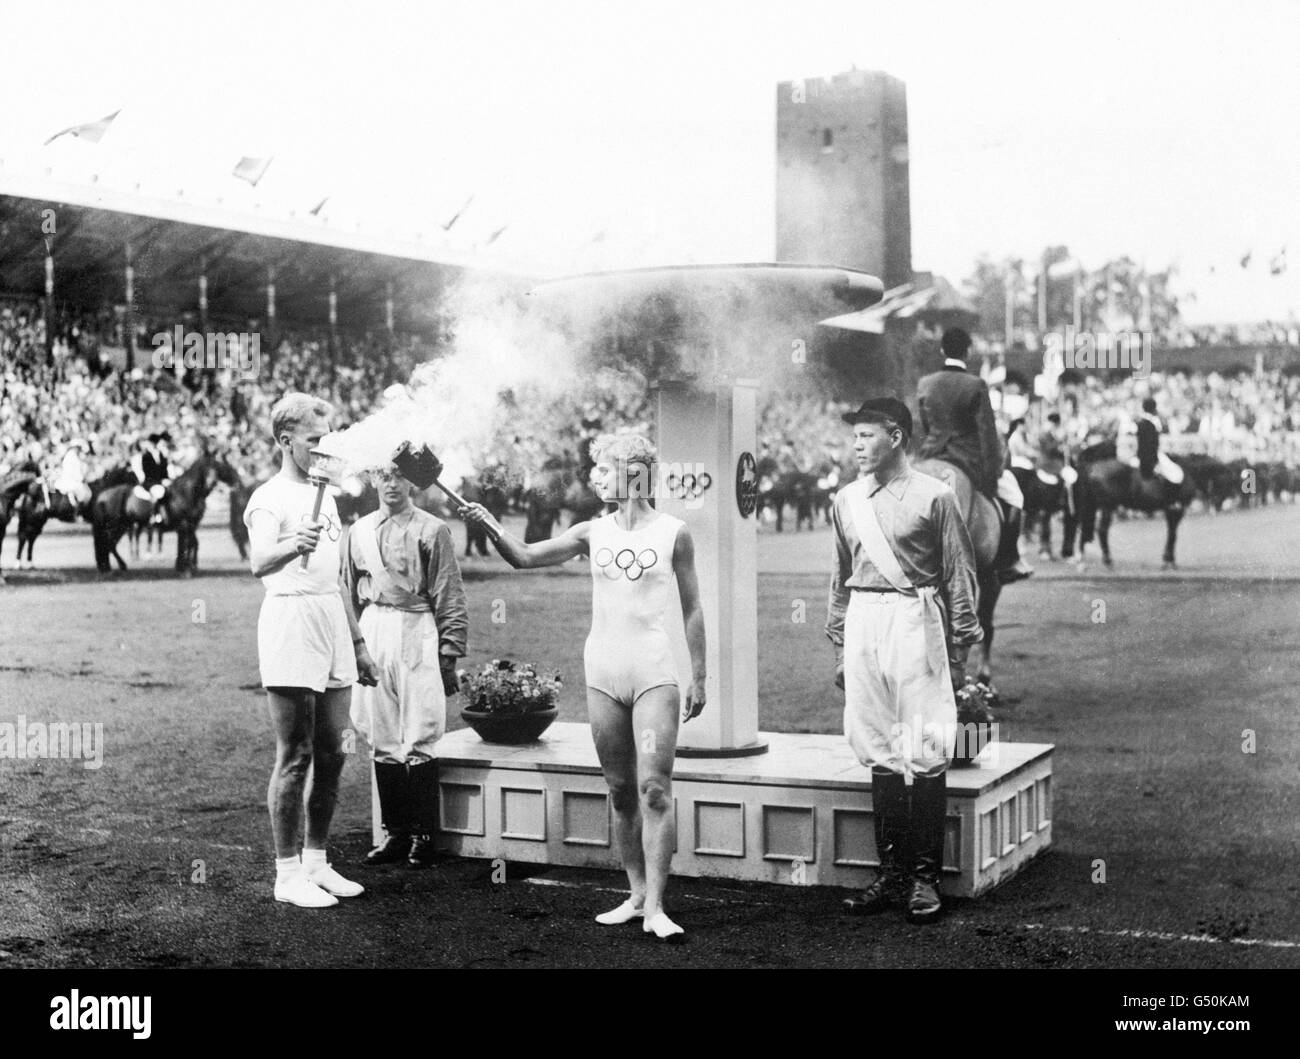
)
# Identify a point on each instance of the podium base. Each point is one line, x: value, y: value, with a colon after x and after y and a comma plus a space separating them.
x: 800, y: 814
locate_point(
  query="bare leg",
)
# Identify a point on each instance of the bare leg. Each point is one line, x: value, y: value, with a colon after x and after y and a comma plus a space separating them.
x: 292, y: 711
x: 654, y: 724
x: 327, y: 760
x: 611, y: 728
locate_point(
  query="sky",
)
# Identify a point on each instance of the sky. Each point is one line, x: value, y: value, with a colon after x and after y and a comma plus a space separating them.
x: 613, y: 134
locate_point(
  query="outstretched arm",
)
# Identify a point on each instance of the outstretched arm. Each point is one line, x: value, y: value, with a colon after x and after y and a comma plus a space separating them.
x: 688, y: 588
x: 573, y: 541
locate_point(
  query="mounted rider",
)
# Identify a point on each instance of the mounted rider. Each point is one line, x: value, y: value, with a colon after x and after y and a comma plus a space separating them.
x: 71, y: 479
x: 1150, y: 461
x: 958, y: 426
x: 151, y: 466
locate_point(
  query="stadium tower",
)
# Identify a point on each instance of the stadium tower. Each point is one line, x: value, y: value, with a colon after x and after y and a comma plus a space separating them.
x: 842, y: 174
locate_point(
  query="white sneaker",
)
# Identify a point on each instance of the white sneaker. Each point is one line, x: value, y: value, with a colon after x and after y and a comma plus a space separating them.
x: 299, y: 890
x: 333, y: 883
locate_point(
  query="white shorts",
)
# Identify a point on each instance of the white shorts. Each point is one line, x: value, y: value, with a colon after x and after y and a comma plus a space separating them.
x: 899, y: 714
x: 404, y: 716
x: 305, y: 642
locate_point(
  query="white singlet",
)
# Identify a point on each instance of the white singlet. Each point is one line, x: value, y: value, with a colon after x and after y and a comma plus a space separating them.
x: 628, y: 651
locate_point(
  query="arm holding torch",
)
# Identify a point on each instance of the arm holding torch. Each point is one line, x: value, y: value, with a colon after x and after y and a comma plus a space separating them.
x: 422, y: 468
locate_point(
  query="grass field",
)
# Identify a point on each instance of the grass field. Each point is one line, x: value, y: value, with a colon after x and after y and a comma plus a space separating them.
x: 162, y: 856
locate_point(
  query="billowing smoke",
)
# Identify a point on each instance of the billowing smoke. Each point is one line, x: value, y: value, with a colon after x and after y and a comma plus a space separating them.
x: 458, y: 404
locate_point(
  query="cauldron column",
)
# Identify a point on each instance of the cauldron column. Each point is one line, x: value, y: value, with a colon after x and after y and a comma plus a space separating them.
x: 706, y: 441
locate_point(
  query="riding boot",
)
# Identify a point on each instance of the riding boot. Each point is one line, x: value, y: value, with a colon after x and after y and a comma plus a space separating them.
x: 395, y: 812
x: 893, y: 845
x: 929, y: 812
x: 424, y: 812
x: 1008, y: 564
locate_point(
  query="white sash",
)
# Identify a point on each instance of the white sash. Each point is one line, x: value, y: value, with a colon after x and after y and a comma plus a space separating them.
x: 882, y: 557
x: 364, y: 533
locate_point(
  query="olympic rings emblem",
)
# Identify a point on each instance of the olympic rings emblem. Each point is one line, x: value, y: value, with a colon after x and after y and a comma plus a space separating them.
x: 688, y: 486
x: 329, y: 527
x: 626, y: 563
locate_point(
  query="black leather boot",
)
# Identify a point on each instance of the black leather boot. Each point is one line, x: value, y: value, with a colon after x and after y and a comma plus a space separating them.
x: 424, y: 813
x: 929, y: 812
x: 890, y: 817
x: 1008, y: 564
x: 395, y: 813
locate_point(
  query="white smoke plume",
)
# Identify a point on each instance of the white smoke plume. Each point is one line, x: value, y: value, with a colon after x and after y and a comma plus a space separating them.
x: 454, y: 403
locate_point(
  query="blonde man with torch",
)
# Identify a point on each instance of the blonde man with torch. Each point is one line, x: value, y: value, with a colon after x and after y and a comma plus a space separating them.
x: 632, y: 690
x: 310, y: 652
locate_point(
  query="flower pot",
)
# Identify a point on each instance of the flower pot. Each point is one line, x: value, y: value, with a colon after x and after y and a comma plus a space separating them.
x: 510, y: 729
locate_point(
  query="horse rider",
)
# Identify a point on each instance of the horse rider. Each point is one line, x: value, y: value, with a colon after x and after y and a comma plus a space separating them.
x: 152, y: 473
x: 71, y: 479
x: 1151, y: 462
x: 958, y: 426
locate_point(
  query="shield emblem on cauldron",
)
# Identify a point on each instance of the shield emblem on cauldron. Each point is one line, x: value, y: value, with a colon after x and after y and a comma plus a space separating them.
x: 746, y: 484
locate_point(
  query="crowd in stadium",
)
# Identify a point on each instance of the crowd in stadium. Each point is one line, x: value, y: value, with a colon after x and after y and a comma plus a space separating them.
x: 73, y: 393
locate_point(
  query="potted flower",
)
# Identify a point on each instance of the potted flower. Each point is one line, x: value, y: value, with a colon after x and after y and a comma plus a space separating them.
x: 509, y: 702
x: 976, y: 725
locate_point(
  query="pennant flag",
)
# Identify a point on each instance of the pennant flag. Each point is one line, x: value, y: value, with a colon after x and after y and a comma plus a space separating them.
x: 496, y: 235
x: 315, y: 210
x: 1245, y: 261
x: 92, y: 131
x: 447, y: 227
x: 1278, y: 265
x: 252, y: 169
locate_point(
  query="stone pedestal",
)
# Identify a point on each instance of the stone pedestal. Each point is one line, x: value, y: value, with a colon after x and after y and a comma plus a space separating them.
x: 799, y: 815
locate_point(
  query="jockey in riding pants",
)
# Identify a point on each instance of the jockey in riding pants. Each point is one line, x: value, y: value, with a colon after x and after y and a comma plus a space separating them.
x: 1150, y: 461
x: 150, y: 466
x: 959, y: 427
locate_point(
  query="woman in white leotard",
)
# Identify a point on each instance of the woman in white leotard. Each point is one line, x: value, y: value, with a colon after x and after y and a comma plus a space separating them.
x: 632, y: 685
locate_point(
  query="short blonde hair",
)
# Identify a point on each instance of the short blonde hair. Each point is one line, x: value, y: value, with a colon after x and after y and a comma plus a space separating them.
x: 295, y: 408
x: 623, y: 448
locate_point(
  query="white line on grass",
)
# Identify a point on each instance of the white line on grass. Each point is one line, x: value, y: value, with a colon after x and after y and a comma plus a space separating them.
x: 1154, y: 935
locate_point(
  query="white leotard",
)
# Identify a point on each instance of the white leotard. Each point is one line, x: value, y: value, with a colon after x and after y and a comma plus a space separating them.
x: 628, y: 651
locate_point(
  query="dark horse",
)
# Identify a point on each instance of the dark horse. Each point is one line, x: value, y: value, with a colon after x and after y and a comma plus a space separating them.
x: 984, y: 526
x: 12, y: 489
x: 113, y: 509
x: 1114, y: 484
x: 37, y: 506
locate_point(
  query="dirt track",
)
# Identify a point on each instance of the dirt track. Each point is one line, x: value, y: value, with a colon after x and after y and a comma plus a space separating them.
x: 1147, y: 711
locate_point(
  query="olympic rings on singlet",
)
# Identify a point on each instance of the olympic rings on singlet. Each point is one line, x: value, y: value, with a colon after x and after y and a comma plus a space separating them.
x: 626, y: 562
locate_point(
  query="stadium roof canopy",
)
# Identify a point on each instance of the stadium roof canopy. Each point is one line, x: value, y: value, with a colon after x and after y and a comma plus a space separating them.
x: 171, y: 241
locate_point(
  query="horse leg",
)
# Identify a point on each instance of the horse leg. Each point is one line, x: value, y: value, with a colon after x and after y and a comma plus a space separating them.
x: 1103, y: 534
x: 1173, y: 516
x: 990, y: 588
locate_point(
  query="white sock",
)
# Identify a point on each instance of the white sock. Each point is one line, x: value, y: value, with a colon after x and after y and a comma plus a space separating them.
x: 286, y: 867
x: 313, y: 859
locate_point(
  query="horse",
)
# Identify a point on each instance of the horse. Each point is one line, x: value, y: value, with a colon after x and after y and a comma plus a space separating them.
x: 1043, y: 499
x: 12, y: 488
x: 1115, y: 484
x: 113, y: 509
x: 1215, y: 480
x: 796, y: 488
x: 983, y: 524
x: 38, y: 505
